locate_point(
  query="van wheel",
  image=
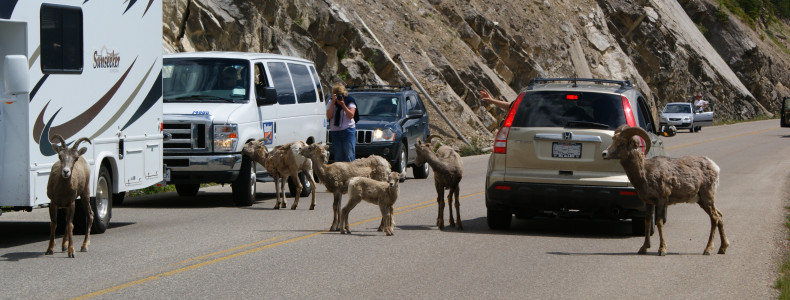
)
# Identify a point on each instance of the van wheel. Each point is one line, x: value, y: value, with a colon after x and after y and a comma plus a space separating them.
x: 421, y: 172
x: 498, y: 219
x: 307, y: 188
x: 187, y: 189
x: 244, y: 188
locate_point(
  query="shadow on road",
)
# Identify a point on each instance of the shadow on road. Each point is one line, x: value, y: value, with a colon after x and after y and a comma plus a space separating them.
x: 568, y: 228
x: 201, y: 200
x: 29, y: 232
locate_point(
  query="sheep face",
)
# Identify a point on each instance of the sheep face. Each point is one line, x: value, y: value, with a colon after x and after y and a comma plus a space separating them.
x: 394, y: 178
x: 423, y: 151
x: 624, y: 141
x: 255, y: 150
x: 316, y: 151
x: 68, y: 156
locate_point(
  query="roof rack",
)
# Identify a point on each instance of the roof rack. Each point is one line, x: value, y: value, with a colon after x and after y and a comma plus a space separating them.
x: 379, y: 87
x: 622, y: 83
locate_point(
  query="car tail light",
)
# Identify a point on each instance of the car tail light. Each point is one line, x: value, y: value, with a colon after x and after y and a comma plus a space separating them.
x: 502, y: 187
x: 627, y: 193
x: 500, y: 142
x: 629, y: 114
x: 572, y: 97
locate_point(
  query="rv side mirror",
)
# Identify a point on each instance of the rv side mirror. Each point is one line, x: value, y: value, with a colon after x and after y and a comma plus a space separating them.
x: 15, y: 75
x: 266, y: 96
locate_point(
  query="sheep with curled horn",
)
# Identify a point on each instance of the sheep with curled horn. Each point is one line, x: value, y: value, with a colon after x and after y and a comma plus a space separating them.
x: 661, y: 181
x: 448, y: 171
x: 68, y: 179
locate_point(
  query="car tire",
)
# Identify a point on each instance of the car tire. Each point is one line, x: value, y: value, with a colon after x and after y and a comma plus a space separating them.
x: 187, y: 189
x: 498, y: 219
x: 400, y: 164
x: 245, y: 187
x: 421, y: 172
x: 691, y: 128
x: 307, y: 188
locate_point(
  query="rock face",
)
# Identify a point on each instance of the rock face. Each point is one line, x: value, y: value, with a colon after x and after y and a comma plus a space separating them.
x: 457, y: 47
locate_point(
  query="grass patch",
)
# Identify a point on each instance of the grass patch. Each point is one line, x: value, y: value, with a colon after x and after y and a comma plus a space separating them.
x: 476, y: 148
x: 783, y: 282
x: 155, y: 189
x: 757, y: 118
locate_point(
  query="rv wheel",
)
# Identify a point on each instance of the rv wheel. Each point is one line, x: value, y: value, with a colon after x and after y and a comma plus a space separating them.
x: 102, y: 203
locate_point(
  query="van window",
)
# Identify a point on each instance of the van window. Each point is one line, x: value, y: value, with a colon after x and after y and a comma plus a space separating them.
x: 305, y: 93
x: 61, y: 40
x: 317, y: 84
x: 282, y: 83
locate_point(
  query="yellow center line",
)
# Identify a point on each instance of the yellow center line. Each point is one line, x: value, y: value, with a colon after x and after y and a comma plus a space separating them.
x: 720, y: 139
x: 403, y: 209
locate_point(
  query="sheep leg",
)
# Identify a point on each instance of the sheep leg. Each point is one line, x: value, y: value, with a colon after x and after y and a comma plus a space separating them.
x: 648, y: 217
x: 312, y: 192
x: 336, y: 212
x: 283, y: 180
x: 86, y: 204
x: 724, y: 242
x: 277, y: 192
x: 298, y: 185
x: 352, y: 202
x: 662, y: 248
x: 53, y: 224
x: 69, y: 234
x: 450, y: 207
x: 456, y: 191
x: 714, y: 221
x: 440, y: 199
x: 385, y: 216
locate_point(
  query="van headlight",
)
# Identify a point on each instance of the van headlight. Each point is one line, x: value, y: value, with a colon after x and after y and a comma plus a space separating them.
x: 226, y: 137
x: 383, y: 135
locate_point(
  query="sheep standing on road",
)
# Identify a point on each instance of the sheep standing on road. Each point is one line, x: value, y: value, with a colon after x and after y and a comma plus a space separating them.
x: 447, y: 173
x: 661, y: 181
x: 282, y: 162
x: 69, y: 178
x: 336, y: 176
x: 382, y: 193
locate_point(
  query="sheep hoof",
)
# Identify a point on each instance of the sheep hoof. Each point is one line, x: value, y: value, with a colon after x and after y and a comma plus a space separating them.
x: 662, y: 252
x: 706, y: 252
x: 722, y: 250
x: 277, y: 206
x: 293, y: 207
x: 84, y: 249
x: 63, y: 249
x: 49, y: 252
x: 312, y: 206
x: 390, y: 234
x: 642, y: 251
x: 71, y: 255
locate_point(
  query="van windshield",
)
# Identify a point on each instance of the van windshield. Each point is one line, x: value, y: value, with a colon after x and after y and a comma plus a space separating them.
x: 570, y: 109
x: 205, y: 80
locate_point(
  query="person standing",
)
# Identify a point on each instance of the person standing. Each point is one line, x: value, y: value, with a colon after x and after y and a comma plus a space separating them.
x: 700, y: 103
x: 342, y: 128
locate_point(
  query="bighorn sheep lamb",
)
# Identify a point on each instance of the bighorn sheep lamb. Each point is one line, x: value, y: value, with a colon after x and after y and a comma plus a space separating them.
x: 383, y: 194
x: 448, y: 171
x: 336, y: 176
x: 69, y: 178
x: 282, y: 162
x: 661, y: 181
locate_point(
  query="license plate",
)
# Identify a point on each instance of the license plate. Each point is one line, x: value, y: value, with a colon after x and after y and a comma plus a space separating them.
x: 566, y: 150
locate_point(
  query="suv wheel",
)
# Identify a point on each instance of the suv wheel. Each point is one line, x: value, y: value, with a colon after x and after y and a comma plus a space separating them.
x: 400, y: 164
x: 499, y: 220
x: 421, y: 172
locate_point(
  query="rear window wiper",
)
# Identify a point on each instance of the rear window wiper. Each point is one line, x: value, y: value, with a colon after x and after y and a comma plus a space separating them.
x: 583, y: 124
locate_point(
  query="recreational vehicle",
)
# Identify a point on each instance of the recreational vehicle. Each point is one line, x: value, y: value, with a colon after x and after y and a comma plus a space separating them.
x: 80, y: 69
x: 214, y: 102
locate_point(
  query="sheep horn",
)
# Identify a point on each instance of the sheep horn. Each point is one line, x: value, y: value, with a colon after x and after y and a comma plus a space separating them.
x: 430, y: 137
x: 77, y: 143
x: 638, y: 131
x: 57, y: 138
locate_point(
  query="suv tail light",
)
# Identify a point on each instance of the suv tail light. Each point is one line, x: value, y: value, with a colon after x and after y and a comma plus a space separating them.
x: 629, y: 114
x: 500, y: 142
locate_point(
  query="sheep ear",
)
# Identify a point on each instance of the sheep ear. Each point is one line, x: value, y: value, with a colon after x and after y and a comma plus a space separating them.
x: 83, y: 150
x: 56, y: 148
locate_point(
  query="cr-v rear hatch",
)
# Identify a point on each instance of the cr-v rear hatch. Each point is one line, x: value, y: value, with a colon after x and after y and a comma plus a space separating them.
x: 557, y: 137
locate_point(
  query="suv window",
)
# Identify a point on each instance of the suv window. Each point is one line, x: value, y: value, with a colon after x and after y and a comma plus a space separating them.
x: 556, y: 109
x: 377, y: 105
x: 645, y: 118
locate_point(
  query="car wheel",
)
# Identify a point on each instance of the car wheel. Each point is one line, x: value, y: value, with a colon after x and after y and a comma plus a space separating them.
x: 307, y: 188
x: 499, y: 220
x: 638, y: 226
x: 244, y: 188
x: 187, y: 189
x: 421, y: 172
x: 691, y: 128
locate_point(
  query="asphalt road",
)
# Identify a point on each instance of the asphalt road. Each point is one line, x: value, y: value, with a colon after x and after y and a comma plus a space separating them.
x: 164, y: 246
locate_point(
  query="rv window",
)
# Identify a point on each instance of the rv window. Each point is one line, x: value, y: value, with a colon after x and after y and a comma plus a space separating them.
x: 317, y: 84
x: 61, y: 39
x: 305, y: 92
x: 282, y: 83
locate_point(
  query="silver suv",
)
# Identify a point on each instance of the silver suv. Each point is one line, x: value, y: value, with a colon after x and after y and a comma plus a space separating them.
x: 547, y: 154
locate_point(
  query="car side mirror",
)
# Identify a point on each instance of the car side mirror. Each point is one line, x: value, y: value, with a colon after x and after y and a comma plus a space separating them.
x: 415, y: 114
x: 265, y: 95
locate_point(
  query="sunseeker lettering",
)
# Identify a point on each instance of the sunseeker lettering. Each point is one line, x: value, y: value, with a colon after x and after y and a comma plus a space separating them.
x: 108, y: 60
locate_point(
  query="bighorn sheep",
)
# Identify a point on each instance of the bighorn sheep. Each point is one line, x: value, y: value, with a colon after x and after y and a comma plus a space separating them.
x: 383, y: 194
x: 282, y: 162
x: 69, y: 178
x: 661, y: 181
x: 448, y: 171
x: 336, y: 176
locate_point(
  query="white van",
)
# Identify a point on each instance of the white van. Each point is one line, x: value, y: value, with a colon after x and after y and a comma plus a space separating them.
x: 80, y: 69
x: 214, y: 102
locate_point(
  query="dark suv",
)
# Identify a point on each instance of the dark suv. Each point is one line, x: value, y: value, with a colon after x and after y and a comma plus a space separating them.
x: 547, y: 154
x: 391, y: 119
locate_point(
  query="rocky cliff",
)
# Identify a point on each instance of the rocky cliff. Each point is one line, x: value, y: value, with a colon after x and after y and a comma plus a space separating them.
x: 671, y: 49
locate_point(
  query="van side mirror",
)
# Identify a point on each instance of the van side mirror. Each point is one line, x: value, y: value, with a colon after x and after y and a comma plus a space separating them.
x: 265, y: 95
x: 15, y: 77
x: 415, y: 114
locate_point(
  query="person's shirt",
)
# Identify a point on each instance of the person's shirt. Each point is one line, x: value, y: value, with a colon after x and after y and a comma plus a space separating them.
x: 700, y: 104
x: 345, y: 122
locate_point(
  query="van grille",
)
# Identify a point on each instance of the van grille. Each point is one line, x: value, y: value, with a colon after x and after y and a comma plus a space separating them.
x: 187, y: 136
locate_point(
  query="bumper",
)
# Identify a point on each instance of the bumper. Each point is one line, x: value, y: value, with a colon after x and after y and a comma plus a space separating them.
x: 677, y: 124
x: 385, y: 150
x: 530, y: 199
x: 223, y: 168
